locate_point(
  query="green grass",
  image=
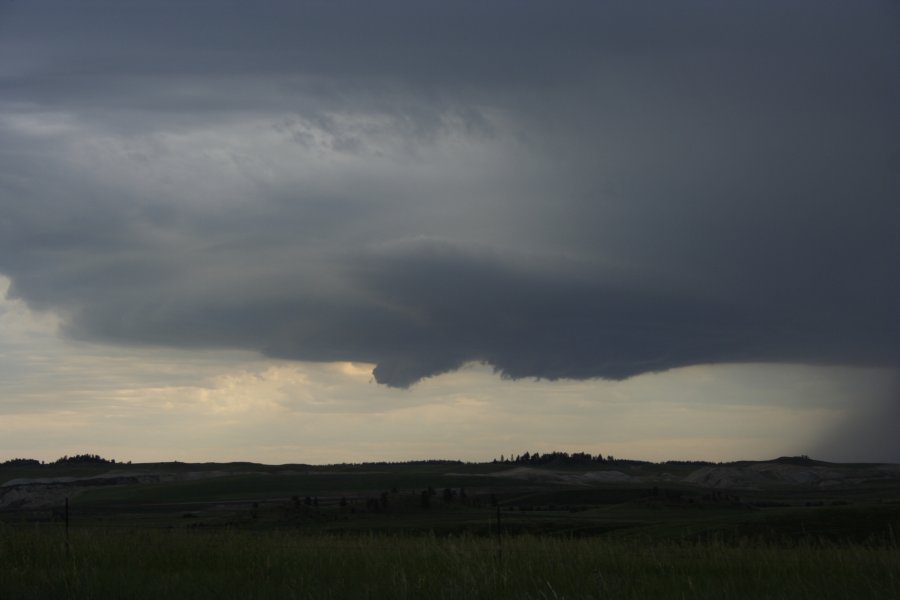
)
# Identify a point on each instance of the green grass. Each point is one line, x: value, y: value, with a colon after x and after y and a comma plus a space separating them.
x: 204, y: 538
x: 36, y: 562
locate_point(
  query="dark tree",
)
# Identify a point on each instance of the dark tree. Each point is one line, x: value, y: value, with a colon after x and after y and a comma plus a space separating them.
x: 21, y: 462
x: 83, y: 459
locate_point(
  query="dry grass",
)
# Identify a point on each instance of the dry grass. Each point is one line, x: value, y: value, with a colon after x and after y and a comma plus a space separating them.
x: 37, y: 563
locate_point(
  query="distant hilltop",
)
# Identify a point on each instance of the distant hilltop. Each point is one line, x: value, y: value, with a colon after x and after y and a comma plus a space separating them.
x: 93, y: 459
x: 555, y: 458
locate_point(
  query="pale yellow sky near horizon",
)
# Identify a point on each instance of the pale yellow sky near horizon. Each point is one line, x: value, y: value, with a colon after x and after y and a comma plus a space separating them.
x: 60, y: 396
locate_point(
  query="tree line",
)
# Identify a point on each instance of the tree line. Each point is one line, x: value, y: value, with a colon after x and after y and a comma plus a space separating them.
x: 580, y: 458
x: 78, y: 459
x: 565, y: 458
x: 526, y: 458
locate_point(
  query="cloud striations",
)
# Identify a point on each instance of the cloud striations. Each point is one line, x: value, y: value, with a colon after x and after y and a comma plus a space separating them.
x: 565, y: 190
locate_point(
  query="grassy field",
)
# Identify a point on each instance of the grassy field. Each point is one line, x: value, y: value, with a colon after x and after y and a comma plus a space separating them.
x: 37, y: 562
x: 443, y: 531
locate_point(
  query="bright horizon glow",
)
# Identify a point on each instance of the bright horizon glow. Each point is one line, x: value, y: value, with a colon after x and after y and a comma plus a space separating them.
x: 64, y: 397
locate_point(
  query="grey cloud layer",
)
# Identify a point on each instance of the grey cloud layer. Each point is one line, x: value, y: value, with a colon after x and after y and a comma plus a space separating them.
x: 577, y: 190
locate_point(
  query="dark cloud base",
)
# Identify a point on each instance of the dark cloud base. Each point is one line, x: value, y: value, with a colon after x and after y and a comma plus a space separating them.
x: 431, y: 308
x: 603, y: 190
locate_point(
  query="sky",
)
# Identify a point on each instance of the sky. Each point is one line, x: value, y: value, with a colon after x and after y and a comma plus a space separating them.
x: 346, y: 231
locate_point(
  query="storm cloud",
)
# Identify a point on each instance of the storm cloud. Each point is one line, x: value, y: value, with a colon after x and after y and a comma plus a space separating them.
x: 565, y: 190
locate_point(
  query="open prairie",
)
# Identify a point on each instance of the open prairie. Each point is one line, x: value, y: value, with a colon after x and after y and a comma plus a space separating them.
x: 787, y: 528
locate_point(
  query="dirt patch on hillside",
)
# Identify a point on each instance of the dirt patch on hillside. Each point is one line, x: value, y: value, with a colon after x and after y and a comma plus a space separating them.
x: 759, y: 475
x: 49, y: 492
x: 569, y: 477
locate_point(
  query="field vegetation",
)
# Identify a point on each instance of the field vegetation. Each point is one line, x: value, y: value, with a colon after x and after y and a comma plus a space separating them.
x: 444, y: 529
x: 103, y: 563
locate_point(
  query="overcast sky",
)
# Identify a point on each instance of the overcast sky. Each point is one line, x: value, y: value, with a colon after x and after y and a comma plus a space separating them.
x: 322, y: 231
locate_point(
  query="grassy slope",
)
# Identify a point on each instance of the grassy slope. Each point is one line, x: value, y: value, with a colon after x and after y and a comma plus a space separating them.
x: 671, y: 511
x: 203, y: 539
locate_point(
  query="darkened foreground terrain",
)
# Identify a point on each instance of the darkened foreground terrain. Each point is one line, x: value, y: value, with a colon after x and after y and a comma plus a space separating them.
x: 789, y: 528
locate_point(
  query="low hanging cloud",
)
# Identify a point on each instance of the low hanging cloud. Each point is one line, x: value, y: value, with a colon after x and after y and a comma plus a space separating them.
x: 596, y: 191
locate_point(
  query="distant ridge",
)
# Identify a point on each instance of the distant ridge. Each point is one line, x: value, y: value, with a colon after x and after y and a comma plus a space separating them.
x: 803, y: 461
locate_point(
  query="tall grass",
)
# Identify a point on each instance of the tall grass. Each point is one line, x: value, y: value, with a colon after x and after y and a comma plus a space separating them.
x: 38, y: 563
